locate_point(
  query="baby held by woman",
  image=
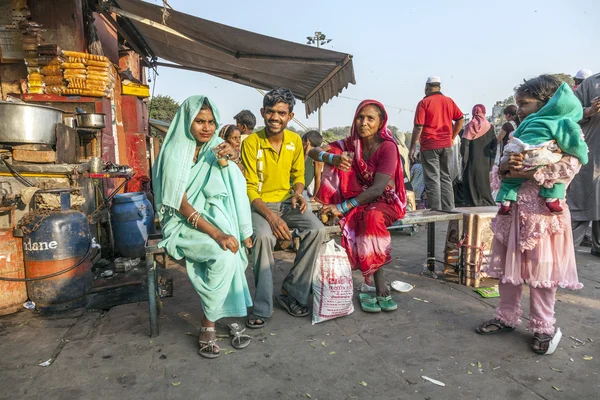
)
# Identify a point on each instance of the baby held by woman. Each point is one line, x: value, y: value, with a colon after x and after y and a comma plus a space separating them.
x: 548, y: 130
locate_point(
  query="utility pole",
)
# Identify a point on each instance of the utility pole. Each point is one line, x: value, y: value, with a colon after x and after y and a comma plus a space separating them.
x: 319, y: 39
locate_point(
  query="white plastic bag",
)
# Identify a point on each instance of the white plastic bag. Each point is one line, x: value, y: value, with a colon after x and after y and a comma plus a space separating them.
x: 332, y: 284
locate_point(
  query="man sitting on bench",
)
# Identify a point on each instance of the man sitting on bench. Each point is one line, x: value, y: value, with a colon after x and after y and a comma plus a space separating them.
x: 274, y: 162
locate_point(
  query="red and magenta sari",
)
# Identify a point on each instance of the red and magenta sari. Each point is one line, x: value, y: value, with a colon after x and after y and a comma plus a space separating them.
x: 364, y: 229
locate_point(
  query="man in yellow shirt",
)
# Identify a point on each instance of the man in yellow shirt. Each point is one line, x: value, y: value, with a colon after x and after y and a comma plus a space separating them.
x: 274, y: 162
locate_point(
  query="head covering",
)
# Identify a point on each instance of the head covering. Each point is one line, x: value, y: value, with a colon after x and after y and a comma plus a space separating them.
x: 479, y: 125
x: 171, y: 170
x: 400, y: 138
x: 434, y: 79
x: 583, y: 74
x: 353, y: 143
x: 557, y: 120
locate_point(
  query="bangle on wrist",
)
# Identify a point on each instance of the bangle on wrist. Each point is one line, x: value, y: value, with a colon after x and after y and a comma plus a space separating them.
x: 339, y: 208
x: 191, y: 217
x: 331, y: 158
x: 354, y: 202
x: 321, y: 154
x: 345, y: 207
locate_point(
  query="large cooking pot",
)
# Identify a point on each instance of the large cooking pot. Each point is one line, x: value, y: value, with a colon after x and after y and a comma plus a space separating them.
x: 24, y: 123
x: 91, y: 121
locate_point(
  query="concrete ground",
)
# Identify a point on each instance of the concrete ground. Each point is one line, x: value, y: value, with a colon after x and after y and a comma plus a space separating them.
x: 108, y: 355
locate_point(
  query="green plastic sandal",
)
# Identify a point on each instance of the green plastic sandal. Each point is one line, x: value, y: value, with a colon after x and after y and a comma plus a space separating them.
x: 369, y: 304
x: 386, y: 303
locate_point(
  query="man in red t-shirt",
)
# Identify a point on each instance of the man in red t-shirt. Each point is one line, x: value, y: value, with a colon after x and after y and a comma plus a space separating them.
x: 438, y: 120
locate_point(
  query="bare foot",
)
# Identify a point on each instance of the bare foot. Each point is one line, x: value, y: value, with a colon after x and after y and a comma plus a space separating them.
x: 380, y: 285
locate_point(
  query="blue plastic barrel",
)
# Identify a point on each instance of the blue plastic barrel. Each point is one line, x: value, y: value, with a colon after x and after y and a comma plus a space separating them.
x: 132, y: 219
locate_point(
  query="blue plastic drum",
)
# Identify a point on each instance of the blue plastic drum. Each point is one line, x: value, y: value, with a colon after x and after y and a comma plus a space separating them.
x: 132, y: 219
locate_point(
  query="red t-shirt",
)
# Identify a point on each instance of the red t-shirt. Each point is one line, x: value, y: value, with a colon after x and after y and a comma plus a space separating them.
x: 436, y: 113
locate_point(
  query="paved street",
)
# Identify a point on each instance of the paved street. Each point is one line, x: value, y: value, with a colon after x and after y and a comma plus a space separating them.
x: 108, y: 355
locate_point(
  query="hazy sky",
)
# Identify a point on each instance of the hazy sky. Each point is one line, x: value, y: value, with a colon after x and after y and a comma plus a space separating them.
x: 481, y: 50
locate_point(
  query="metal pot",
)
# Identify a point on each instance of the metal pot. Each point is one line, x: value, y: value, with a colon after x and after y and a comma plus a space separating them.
x: 24, y: 123
x: 91, y: 121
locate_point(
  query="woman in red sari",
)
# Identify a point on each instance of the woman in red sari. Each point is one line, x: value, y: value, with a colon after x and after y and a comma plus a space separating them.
x: 363, y: 184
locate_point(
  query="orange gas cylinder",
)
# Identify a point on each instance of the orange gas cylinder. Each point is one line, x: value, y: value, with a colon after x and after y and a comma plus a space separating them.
x: 12, y: 294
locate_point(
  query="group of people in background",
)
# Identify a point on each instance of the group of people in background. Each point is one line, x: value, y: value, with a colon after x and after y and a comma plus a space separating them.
x: 227, y: 197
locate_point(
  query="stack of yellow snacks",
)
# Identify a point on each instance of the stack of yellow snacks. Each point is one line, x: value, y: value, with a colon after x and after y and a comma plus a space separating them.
x: 31, y: 34
x: 53, y: 76
x: 88, y: 74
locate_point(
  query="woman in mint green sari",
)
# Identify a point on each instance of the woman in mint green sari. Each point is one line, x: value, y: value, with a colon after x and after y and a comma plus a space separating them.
x: 205, y: 214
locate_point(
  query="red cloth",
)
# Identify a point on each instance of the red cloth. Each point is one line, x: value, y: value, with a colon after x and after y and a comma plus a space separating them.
x: 365, y: 237
x: 436, y: 113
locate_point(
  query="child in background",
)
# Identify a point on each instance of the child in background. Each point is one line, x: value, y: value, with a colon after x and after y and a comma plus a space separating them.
x: 532, y: 245
x: 232, y: 135
x: 312, y: 169
x: 549, y: 128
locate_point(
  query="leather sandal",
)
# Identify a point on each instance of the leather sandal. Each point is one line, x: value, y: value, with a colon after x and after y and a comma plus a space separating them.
x: 502, y: 327
x: 292, y: 307
x: 239, y: 340
x: 208, y: 349
x: 546, y: 344
x: 252, y: 322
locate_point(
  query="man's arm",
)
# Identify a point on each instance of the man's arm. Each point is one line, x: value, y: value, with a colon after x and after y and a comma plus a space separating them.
x: 249, y: 155
x: 419, y: 121
x: 416, y: 135
x: 457, y: 126
x: 297, y: 171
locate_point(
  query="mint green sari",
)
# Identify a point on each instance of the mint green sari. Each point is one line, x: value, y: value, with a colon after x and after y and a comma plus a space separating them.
x: 219, y: 195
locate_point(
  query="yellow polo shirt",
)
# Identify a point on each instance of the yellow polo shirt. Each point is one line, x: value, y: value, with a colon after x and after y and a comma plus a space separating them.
x: 271, y: 175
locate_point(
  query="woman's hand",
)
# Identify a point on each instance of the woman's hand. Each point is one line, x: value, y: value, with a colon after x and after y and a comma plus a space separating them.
x: 331, y: 209
x: 227, y: 151
x: 342, y: 162
x: 227, y: 242
x: 514, y: 163
x: 248, y: 243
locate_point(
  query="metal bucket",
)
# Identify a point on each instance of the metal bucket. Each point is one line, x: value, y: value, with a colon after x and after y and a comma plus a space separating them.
x: 28, y: 123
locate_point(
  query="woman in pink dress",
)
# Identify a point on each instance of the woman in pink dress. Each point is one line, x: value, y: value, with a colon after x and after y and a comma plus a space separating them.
x: 532, y: 245
x: 363, y: 185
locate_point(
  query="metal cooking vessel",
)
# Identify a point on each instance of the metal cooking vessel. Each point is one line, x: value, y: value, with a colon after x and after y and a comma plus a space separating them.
x: 92, y: 121
x: 28, y: 123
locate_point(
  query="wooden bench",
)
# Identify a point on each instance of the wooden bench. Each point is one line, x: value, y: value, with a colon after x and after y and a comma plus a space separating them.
x: 429, y: 217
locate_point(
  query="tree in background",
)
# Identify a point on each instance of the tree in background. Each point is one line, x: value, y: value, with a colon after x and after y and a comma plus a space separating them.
x: 162, y: 108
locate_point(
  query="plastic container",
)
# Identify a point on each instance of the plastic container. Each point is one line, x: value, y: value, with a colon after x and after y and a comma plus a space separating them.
x: 132, y: 219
